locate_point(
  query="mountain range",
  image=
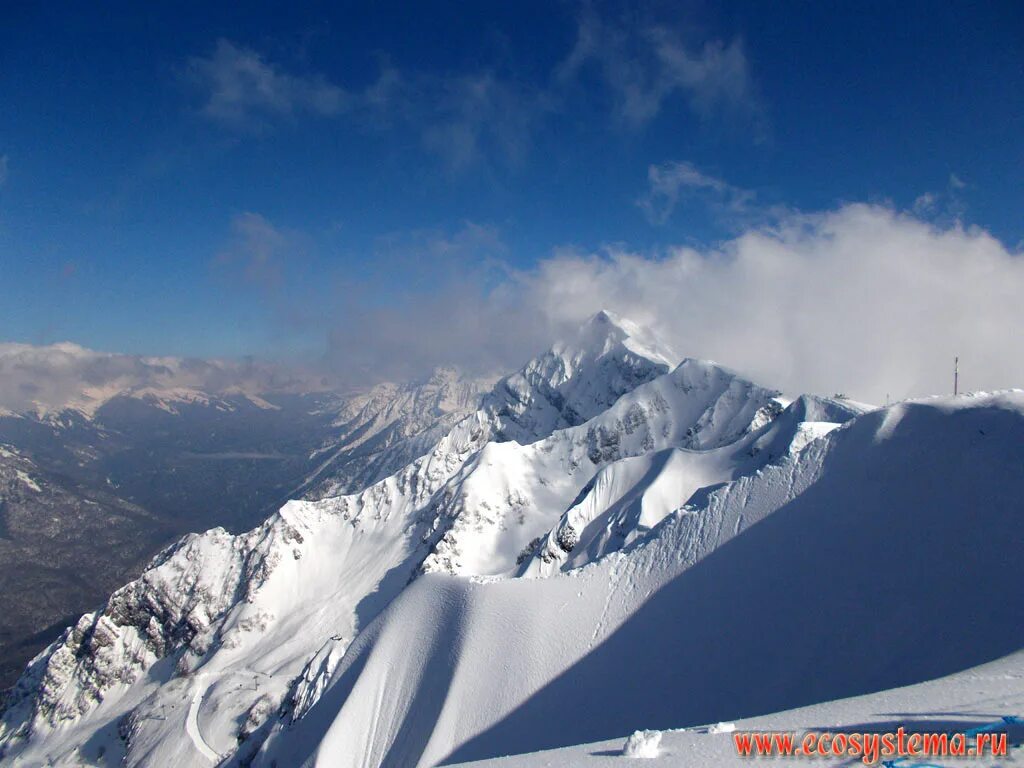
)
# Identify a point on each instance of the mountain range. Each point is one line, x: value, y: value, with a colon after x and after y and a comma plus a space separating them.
x: 608, y: 539
x: 110, y: 458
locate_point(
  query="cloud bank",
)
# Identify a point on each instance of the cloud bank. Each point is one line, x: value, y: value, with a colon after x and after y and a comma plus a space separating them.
x: 42, y: 379
x: 863, y: 299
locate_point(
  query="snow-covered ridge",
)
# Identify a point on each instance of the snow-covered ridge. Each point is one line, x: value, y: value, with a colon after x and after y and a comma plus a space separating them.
x: 224, y: 634
x: 506, y: 494
x: 201, y: 600
x: 628, y: 498
x: 829, y: 574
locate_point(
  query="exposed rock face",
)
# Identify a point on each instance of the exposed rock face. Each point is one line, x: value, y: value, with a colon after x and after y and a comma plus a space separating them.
x: 315, y: 676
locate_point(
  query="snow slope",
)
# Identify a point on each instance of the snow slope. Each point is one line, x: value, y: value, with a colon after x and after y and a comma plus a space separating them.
x: 881, y: 555
x: 255, y: 612
x: 976, y: 698
x: 505, y: 496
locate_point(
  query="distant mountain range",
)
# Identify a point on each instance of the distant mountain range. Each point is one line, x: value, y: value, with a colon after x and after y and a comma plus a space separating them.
x: 111, y: 457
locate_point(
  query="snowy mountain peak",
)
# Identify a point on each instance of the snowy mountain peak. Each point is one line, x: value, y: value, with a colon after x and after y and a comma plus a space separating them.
x: 603, y: 326
x: 576, y: 380
x: 382, y: 430
x: 605, y: 331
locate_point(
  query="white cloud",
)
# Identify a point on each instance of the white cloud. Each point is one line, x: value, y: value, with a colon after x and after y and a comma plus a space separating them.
x: 644, y: 66
x: 862, y: 299
x: 50, y: 378
x: 668, y: 181
x: 241, y: 88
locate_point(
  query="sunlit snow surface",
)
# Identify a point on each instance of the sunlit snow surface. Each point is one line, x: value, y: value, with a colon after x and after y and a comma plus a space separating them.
x: 978, y: 697
x: 732, y: 553
x: 875, y: 558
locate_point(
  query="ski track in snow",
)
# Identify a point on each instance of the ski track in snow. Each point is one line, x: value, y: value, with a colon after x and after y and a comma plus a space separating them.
x: 192, y: 723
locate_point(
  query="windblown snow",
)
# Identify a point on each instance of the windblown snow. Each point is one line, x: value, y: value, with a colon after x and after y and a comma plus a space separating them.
x: 611, y: 542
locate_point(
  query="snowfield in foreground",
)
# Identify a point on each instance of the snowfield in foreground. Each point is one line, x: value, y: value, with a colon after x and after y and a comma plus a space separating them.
x: 976, y: 698
x: 610, y: 543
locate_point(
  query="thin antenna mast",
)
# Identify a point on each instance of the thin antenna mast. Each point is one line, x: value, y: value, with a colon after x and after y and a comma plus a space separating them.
x: 956, y: 375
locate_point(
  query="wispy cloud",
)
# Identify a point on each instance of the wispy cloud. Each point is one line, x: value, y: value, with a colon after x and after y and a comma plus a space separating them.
x: 239, y: 87
x: 925, y: 203
x: 669, y: 182
x: 477, y: 116
x: 644, y: 66
x: 944, y: 206
x: 461, y: 117
x: 451, y: 279
x: 258, y: 252
x: 470, y: 242
x: 482, y: 115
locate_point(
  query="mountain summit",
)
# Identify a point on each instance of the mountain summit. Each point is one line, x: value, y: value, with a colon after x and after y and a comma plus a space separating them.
x: 576, y: 379
x: 606, y: 329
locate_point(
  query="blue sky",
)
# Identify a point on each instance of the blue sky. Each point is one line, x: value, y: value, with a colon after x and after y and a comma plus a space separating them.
x: 200, y: 182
